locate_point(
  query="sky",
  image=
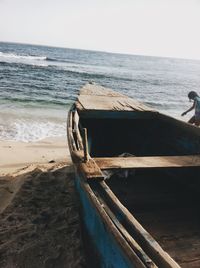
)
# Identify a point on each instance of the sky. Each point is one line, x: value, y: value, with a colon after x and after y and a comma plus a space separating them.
x: 144, y: 27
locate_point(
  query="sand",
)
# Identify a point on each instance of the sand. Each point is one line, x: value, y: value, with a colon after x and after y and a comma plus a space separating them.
x: 16, y: 155
x: 39, y: 219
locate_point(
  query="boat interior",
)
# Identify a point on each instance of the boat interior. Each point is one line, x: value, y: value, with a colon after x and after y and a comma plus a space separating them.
x: 151, y: 136
x: 166, y: 203
x: 164, y: 200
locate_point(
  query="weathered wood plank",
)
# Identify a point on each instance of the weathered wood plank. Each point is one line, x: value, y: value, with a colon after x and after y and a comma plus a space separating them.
x: 77, y: 156
x: 93, y: 97
x: 85, y: 145
x: 148, y: 162
x: 71, y: 138
x: 76, y: 129
x: 90, y: 170
x: 97, y: 90
x: 109, y: 103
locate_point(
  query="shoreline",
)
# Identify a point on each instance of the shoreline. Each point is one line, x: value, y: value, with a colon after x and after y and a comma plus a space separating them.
x: 18, y: 155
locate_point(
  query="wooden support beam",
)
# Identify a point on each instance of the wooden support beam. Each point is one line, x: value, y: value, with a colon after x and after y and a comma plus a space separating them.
x: 76, y: 129
x: 148, y: 162
x: 85, y: 145
x: 71, y: 138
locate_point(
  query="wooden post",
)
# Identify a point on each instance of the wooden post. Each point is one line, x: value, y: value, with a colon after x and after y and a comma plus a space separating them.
x: 76, y: 129
x: 85, y: 145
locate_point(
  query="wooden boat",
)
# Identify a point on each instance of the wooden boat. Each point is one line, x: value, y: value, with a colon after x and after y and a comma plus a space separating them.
x: 147, y: 213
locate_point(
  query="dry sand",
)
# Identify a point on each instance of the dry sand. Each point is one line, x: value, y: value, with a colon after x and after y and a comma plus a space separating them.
x: 16, y: 155
x: 39, y: 221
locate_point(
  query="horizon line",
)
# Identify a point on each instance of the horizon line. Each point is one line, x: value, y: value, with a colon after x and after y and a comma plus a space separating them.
x: 100, y: 51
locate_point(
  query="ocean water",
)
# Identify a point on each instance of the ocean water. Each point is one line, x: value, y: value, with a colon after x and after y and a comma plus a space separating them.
x: 38, y: 84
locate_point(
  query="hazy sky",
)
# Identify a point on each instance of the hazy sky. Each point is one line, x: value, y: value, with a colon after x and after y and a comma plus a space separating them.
x: 148, y: 27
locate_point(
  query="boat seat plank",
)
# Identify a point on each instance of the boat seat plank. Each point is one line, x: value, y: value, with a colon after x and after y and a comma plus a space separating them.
x: 148, y: 162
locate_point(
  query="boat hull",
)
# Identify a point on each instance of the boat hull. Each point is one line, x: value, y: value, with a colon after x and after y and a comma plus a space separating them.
x: 110, y: 134
x: 101, y: 247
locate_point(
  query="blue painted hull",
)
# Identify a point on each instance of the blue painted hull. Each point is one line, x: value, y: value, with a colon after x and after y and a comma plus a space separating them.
x: 106, y: 252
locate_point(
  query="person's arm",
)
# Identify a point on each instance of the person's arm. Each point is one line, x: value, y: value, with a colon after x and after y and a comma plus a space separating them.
x: 190, y: 109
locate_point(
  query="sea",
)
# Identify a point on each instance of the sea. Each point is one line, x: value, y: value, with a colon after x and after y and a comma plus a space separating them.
x: 38, y: 84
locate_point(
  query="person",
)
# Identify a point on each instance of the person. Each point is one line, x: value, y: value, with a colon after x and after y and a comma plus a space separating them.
x: 195, y: 119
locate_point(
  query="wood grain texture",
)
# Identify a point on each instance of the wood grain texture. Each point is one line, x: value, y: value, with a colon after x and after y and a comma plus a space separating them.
x: 76, y: 129
x: 148, y: 162
x: 93, y: 97
x: 90, y: 170
x: 97, y: 90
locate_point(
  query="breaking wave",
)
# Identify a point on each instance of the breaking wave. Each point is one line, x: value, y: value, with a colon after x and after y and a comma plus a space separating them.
x: 5, y: 56
x: 24, y: 57
x: 30, y: 131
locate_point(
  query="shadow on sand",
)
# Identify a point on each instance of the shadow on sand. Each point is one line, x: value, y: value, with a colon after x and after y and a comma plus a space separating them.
x: 39, y: 222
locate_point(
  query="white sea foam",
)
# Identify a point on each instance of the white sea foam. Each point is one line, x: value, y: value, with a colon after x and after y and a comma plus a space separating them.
x: 25, y: 57
x: 30, y: 131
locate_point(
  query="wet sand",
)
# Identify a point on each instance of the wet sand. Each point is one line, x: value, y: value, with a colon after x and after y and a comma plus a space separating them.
x: 39, y: 220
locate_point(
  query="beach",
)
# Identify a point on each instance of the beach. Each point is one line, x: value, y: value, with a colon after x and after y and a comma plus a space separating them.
x: 17, y: 155
x: 39, y: 220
